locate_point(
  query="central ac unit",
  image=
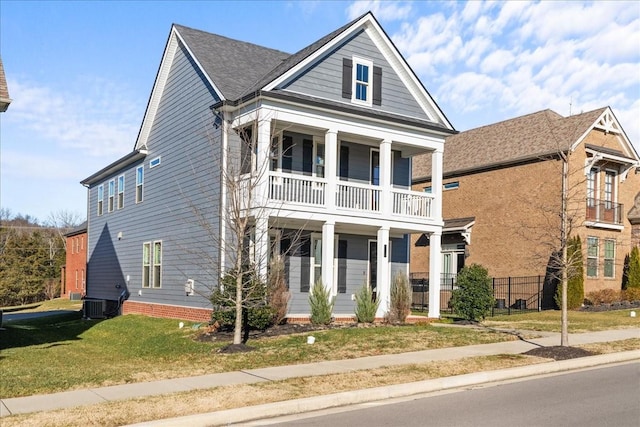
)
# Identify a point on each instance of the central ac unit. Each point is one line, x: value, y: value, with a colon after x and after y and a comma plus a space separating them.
x: 94, y: 308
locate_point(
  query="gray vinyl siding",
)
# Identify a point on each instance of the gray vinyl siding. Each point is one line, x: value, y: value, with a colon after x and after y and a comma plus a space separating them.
x: 357, y: 272
x: 324, y: 79
x: 186, y: 181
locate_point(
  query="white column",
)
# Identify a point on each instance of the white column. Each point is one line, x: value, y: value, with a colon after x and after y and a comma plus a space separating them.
x: 259, y: 198
x: 436, y: 184
x: 383, y: 282
x: 331, y: 167
x: 435, y: 269
x: 386, y: 199
x: 328, y: 255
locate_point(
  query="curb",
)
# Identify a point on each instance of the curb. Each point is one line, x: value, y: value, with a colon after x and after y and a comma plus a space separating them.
x: 290, y: 407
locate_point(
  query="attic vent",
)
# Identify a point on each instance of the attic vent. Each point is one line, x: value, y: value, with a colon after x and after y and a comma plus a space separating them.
x: 94, y: 309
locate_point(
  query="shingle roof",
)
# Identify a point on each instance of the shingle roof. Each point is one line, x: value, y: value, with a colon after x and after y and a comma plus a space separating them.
x: 522, y: 138
x: 4, y: 90
x: 233, y: 65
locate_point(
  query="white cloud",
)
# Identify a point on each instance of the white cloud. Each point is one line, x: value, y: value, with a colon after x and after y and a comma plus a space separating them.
x: 94, y: 117
x: 382, y: 10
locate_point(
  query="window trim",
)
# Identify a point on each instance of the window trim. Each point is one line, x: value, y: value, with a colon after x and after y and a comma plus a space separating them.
x: 121, y: 191
x: 368, y: 101
x: 611, y: 259
x: 315, y: 237
x: 100, y: 205
x: 156, y: 283
x: 155, y: 162
x: 111, y: 195
x: 454, y: 185
x: 146, y: 265
x: 140, y: 184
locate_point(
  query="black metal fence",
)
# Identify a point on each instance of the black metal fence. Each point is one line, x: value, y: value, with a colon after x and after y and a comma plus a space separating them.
x: 512, y: 294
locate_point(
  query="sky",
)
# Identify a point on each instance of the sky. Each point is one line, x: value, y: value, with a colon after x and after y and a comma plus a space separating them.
x: 80, y: 73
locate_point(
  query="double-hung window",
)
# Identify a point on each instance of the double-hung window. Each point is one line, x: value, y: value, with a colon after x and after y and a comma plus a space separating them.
x: 592, y: 256
x: 112, y: 191
x: 248, y: 150
x: 121, y: 192
x: 139, y: 183
x: 591, y: 187
x: 609, y: 258
x: 100, y: 199
x: 152, y: 264
x: 362, y: 79
x: 316, y: 258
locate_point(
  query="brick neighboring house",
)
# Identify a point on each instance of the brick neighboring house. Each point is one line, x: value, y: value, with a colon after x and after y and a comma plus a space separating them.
x: 502, y: 196
x: 4, y: 90
x: 73, y: 275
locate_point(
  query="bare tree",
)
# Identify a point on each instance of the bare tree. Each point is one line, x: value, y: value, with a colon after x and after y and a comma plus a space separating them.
x: 243, y: 232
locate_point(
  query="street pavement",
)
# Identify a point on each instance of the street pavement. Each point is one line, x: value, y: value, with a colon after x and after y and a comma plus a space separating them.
x: 49, y: 402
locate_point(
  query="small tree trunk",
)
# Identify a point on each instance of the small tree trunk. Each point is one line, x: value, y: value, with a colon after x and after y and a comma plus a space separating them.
x: 237, y: 330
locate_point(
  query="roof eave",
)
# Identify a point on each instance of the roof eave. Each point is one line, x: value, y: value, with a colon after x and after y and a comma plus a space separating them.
x: 123, y: 162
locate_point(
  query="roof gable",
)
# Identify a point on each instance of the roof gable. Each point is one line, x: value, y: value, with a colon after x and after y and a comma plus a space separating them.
x: 4, y: 90
x: 310, y: 56
x: 525, y: 138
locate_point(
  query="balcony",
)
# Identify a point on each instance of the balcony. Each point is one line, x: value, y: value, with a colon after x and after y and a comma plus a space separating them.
x: 603, y: 212
x: 356, y: 198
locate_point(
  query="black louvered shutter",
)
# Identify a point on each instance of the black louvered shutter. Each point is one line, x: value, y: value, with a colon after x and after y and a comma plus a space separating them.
x: 285, y: 252
x: 287, y: 153
x: 305, y: 265
x: 307, y: 156
x: 347, y: 77
x: 342, y: 266
x: 377, y: 86
x: 344, y: 162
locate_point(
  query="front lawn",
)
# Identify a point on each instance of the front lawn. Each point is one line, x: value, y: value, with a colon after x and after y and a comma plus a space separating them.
x: 579, y: 321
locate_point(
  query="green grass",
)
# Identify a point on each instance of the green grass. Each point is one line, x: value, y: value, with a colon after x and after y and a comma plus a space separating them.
x: 54, y: 304
x: 66, y: 352
x: 579, y: 321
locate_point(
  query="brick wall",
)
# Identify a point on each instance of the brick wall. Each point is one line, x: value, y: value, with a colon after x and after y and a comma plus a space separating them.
x: 75, y: 265
x: 167, y: 311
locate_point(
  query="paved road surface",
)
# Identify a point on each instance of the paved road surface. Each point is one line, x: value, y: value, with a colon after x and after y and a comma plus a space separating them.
x: 608, y: 396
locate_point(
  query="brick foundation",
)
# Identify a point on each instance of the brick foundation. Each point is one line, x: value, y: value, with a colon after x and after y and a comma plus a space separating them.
x: 167, y: 311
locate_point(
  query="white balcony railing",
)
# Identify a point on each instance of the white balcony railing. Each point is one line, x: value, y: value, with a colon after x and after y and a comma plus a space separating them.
x: 359, y: 197
x: 296, y: 189
x: 311, y: 191
x: 411, y: 203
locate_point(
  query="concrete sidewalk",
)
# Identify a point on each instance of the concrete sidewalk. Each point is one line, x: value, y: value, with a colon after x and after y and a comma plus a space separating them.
x: 69, y: 399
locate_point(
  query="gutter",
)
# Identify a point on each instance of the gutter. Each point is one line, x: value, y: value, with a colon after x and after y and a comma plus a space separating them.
x: 125, y: 161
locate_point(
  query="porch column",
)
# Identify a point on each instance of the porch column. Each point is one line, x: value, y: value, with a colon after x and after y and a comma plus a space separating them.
x: 262, y: 245
x: 383, y: 282
x: 331, y: 167
x: 386, y: 199
x: 259, y: 198
x: 435, y: 269
x: 328, y: 255
x: 260, y: 195
x: 436, y: 184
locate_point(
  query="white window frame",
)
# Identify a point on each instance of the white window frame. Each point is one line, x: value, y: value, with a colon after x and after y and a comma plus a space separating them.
x: 155, y: 162
x: 275, y: 154
x: 316, y: 162
x: 139, y: 184
x: 610, y: 198
x: 121, y: 192
x: 592, y: 187
x: 112, y: 195
x: 611, y: 259
x: 368, y: 84
x: 156, y: 280
x: 146, y: 264
x: 100, y: 205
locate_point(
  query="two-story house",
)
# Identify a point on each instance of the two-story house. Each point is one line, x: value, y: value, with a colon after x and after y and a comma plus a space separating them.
x: 74, y: 272
x: 323, y: 139
x: 503, y: 190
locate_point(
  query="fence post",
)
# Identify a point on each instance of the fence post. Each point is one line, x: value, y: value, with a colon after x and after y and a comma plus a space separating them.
x: 493, y: 285
x: 509, y: 295
x: 539, y: 292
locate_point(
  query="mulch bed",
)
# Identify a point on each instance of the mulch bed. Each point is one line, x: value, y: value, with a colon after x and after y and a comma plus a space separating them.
x: 558, y: 352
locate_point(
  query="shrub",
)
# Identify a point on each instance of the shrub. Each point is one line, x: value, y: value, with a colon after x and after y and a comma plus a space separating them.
x: 603, y: 296
x: 575, y: 276
x: 631, y: 294
x: 258, y: 314
x: 366, y: 307
x: 633, y: 271
x: 400, y: 299
x: 473, y: 298
x: 278, y: 294
x: 321, y: 304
